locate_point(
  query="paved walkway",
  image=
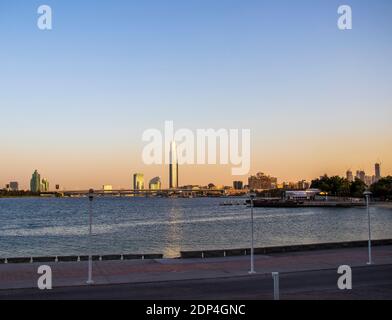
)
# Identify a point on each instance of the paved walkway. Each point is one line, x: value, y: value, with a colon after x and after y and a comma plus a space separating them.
x: 18, y: 276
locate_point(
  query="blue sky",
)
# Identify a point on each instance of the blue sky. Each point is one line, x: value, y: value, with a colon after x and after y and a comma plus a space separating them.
x: 108, y: 70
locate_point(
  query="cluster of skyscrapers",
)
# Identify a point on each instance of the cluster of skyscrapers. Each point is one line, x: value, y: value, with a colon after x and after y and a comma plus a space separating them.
x: 361, y: 175
x: 156, y: 183
x: 260, y: 181
x: 139, y: 183
x: 38, y: 185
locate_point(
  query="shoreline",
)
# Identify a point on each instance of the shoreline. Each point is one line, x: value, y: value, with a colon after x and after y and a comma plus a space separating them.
x: 384, y: 204
x: 201, y: 254
x: 153, y: 273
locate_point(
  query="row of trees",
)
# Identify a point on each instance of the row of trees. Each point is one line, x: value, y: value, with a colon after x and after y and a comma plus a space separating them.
x: 6, y: 193
x: 341, y: 187
x: 382, y: 189
x: 338, y: 186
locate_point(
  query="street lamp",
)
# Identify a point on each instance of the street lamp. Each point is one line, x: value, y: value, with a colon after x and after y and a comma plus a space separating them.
x: 252, y: 249
x: 90, y: 257
x: 367, y: 195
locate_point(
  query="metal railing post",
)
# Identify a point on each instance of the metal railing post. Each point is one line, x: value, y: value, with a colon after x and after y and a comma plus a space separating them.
x: 252, y: 249
x: 275, y: 276
x: 90, y: 257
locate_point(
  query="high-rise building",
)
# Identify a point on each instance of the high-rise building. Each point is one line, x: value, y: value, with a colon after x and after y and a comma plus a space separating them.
x: 262, y: 182
x: 377, y: 169
x: 303, y: 185
x: 173, y: 167
x: 155, y: 184
x: 361, y: 175
x: 14, y: 186
x: 44, y: 185
x: 238, y: 185
x: 349, y: 176
x: 35, y: 182
x: 138, y: 181
x: 107, y: 187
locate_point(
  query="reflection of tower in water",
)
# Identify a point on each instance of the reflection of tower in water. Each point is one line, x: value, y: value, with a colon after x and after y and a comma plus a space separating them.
x: 174, y: 236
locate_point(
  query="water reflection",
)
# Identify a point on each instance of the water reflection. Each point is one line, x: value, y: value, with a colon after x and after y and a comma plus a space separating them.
x: 174, y: 234
x: 40, y: 227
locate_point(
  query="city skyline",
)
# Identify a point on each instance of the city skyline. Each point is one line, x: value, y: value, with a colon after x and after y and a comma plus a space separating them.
x: 323, y: 108
x: 196, y: 150
x: 142, y: 182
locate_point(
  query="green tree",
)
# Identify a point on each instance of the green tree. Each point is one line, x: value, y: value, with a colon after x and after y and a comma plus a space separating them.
x: 336, y: 185
x: 383, y: 188
x: 357, y: 188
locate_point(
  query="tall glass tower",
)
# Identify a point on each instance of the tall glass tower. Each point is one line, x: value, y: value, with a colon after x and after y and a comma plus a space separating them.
x: 35, y: 182
x: 173, y: 167
x: 44, y: 185
x: 138, y: 181
x: 155, y: 184
x: 377, y: 169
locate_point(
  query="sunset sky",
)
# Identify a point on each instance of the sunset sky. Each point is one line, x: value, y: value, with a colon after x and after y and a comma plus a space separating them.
x: 75, y: 100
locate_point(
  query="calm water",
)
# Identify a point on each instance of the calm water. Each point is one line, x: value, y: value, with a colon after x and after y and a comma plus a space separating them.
x: 35, y: 227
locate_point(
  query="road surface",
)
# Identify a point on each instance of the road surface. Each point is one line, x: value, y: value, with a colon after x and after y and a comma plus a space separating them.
x: 369, y: 282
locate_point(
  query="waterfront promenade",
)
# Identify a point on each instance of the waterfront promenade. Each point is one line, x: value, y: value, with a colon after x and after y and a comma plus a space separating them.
x: 155, y: 279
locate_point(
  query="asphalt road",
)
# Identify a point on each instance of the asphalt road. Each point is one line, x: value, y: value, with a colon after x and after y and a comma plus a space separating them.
x: 373, y: 282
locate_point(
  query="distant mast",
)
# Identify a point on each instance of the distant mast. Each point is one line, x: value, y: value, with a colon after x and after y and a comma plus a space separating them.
x: 173, y: 167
